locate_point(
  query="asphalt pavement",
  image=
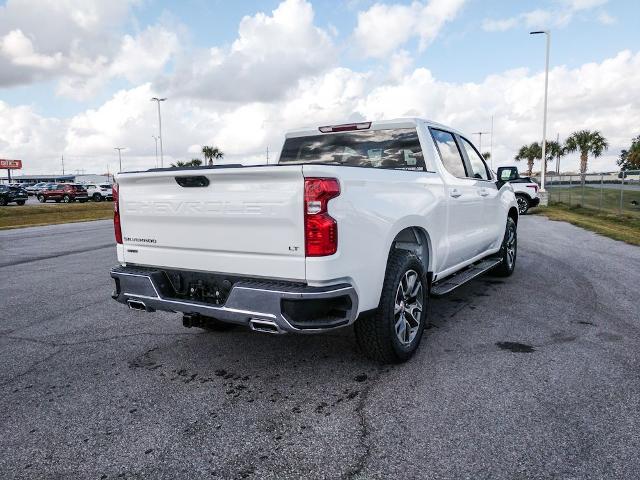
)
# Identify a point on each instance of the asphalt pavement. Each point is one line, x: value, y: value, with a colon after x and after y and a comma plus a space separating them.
x: 534, y: 376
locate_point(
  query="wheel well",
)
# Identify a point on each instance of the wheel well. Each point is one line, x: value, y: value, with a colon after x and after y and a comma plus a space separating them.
x: 513, y: 213
x: 416, y: 240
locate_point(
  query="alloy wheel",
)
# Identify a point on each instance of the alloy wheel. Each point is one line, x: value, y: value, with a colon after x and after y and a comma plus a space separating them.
x: 407, y: 309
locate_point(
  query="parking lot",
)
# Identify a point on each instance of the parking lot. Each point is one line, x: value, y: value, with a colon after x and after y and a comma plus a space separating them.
x: 535, y: 376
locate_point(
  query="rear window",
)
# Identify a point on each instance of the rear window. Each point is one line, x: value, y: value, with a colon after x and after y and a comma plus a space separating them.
x: 393, y: 149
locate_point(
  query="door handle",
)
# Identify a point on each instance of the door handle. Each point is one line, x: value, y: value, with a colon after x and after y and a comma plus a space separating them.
x: 483, y: 192
x: 455, y: 193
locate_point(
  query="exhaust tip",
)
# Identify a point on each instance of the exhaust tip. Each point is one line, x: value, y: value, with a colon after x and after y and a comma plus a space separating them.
x: 264, y: 326
x: 136, y: 305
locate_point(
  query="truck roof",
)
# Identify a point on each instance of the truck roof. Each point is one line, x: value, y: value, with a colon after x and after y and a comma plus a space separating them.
x: 402, y: 122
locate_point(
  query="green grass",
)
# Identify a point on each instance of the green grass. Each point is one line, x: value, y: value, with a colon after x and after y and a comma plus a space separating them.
x: 619, y: 227
x: 592, y: 197
x: 15, y: 216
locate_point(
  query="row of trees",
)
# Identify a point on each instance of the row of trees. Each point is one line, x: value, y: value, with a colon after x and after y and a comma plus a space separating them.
x: 587, y: 142
x: 210, y: 154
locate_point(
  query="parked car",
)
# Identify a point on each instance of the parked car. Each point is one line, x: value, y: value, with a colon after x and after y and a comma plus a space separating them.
x: 11, y: 194
x: 99, y: 192
x: 525, y: 189
x: 63, y: 192
x: 356, y: 223
x: 33, y: 189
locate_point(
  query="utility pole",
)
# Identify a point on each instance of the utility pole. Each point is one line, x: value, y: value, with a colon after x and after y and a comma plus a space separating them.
x: 158, y: 100
x: 156, y: 139
x: 480, y: 139
x: 543, y: 197
x: 62, y: 164
x: 119, y: 149
x: 267, y: 154
x: 491, y: 144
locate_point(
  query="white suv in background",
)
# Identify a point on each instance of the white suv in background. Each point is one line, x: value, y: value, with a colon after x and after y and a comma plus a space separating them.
x: 100, y: 192
x: 525, y: 188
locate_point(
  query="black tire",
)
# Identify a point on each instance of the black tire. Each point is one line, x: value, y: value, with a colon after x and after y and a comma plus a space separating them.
x: 508, y: 263
x: 3, y: 202
x: 21, y: 202
x: 67, y: 199
x: 523, y: 204
x: 97, y: 197
x: 41, y: 199
x: 377, y: 333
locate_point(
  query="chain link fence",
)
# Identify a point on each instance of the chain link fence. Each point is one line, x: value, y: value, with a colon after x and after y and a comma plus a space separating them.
x: 616, y: 192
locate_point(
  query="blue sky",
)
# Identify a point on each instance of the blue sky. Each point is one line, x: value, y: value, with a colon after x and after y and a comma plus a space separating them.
x: 81, y: 79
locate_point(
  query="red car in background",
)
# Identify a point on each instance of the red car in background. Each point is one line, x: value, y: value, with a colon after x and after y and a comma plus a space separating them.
x: 63, y: 192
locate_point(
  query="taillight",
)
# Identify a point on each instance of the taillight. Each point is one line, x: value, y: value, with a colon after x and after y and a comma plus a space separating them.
x: 320, y: 229
x: 535, y: 187
x: 116, y: 215
x: 347, y: 127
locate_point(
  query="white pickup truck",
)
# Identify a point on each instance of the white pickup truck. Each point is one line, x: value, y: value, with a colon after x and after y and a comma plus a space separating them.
x: 357, y: 223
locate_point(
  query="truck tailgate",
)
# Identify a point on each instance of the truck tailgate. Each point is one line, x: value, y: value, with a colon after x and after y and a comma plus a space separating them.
x: 246, y: 221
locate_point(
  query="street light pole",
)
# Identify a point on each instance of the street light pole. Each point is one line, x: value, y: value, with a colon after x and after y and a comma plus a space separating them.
x: 156, y: 139
x: 544, y: 119
x: 480, y: 139
x: 119, y: 149
x: 156, y: 99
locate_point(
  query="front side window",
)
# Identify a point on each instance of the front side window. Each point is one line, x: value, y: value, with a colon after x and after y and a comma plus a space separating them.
x: 478, y: 166
x: 449, y: 152
x: 393, y: 149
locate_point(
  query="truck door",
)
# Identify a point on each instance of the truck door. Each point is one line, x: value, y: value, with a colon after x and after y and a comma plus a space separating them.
x: 492, y: 215
x: 465, y: 205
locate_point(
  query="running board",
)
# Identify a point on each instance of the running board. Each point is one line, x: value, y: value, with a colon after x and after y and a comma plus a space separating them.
x: 449, y: 284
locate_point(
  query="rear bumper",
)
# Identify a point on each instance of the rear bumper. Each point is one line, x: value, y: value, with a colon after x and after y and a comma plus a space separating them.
x: 284, y: 308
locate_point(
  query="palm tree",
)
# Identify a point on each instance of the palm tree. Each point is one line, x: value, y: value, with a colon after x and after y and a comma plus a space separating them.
x: 587, y: 142
x: 553, y: 151
x: 630, y: 159
x: 194, y: 162
x: 211, y: 153
x: 530, y: 153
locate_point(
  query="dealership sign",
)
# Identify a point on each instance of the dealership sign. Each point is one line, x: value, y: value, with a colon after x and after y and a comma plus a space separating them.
x: 10, y: 164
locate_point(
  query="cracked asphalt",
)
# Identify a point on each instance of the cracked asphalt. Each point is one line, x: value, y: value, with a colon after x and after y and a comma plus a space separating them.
x: 535, y: 376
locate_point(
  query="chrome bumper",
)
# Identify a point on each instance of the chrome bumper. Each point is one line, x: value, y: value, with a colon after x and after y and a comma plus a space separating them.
x: 256, y: 304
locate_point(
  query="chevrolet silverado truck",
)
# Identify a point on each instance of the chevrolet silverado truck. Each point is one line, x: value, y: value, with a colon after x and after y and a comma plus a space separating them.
x: 356, y: 224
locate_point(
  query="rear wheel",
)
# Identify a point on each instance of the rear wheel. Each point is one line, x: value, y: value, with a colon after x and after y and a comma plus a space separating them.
x: 523, y: 204
x: 41, y: 199
x: 393, y: 332
x: 508, y: 251
x: 21, y: 202
x: 97, y: 197
x: 3, y: 202
x: 67, y: 199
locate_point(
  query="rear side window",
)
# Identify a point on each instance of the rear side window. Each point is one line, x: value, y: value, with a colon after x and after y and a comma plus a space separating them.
x: 478, y: 166
x: 393, y: 149
x: 449, y: 152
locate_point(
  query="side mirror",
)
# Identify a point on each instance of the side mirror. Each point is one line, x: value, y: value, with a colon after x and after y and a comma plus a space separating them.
x: 506, y: 174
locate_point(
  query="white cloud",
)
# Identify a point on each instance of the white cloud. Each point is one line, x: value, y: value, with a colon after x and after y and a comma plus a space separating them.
x: 270, y: 54
x: 559, y: 16
x: 383, y: 28
x: 78, y: 42
x: 598, y: 96
x: 606, y: 19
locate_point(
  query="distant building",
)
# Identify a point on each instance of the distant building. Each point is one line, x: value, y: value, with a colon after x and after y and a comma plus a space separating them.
x: 52, y: 178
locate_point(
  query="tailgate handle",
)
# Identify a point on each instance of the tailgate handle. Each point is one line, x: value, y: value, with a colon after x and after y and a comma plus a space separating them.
x: 199, y: 181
